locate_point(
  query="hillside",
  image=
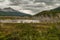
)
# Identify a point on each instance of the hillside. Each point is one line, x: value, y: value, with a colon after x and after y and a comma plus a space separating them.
x: 11, y: 12
x: 53, y: 12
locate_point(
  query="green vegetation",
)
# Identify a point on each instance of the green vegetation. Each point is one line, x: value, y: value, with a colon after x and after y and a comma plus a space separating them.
x: 50, y: 13
x: 17, y: 31
x: 30, y: 31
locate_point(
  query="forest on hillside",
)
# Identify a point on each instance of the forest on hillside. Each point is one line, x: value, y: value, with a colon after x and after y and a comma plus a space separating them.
x: 49, y: 13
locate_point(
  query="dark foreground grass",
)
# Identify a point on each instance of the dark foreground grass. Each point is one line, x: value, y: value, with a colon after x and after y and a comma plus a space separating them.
x: 18, y: 31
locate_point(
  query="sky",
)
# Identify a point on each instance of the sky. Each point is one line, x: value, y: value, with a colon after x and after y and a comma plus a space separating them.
x: 30, y: 6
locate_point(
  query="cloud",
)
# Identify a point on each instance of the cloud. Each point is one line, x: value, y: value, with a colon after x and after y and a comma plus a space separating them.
x: 31, y: 6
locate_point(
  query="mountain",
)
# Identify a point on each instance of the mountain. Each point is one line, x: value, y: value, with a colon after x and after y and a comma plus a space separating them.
x: 11, y: 12
x: 56, y: 10
x: 52, y: 12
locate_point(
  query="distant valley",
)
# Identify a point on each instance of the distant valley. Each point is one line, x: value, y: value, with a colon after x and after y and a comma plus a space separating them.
x: 49, y: 16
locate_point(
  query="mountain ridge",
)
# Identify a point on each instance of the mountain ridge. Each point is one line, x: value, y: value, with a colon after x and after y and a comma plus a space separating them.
x: 11, y: 12
x: 52, y: 12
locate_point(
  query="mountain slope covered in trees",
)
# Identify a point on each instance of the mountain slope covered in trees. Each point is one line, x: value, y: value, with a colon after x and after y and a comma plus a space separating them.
x: 53, y: 12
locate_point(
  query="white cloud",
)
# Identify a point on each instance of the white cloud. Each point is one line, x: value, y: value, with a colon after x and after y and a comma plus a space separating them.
x: 30, y: 6
x: 27, y: 11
